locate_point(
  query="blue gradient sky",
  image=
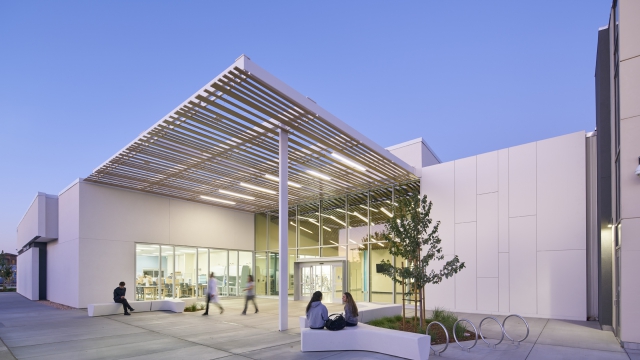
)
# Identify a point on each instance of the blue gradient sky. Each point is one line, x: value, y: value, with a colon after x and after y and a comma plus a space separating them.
x: 80, y: 80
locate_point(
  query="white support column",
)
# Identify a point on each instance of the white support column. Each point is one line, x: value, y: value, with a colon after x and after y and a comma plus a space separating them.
x: 283, y: 231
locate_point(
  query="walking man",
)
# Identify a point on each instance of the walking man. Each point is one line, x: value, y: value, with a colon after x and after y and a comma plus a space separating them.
x: 212, y: 294
x: 118, y: 296
x: 251, y: 294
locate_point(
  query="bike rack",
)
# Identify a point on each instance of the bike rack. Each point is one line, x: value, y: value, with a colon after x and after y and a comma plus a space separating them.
x: 456, y: 338
x: 435, y: 352
x: 477, y: 331
x: 482, y: 336
x: 507, y: 335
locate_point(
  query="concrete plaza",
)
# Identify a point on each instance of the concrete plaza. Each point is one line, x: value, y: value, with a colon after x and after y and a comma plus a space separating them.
x: 31, y: 330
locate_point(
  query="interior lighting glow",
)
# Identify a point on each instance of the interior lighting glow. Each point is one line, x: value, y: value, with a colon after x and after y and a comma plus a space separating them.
x: 386, y: 212
x: 275, y: 178
x: 301, y: 228
x: 236, y: 194
x: 338, y: 221
x: 349, y: 162
x: 257, y: 188
x: 361, y: 217
x: 317, y: 174
x: 218, y: 200
x: 331, y: 241
x: 326, y: 228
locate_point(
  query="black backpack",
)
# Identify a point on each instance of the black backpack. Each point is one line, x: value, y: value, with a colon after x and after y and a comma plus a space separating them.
x: 335, y: 322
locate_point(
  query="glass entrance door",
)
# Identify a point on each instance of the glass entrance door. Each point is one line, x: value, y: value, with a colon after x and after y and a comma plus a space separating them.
x: 326, y: 278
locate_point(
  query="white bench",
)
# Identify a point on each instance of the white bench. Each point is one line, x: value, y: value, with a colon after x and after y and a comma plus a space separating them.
x: 371, y: 311
x: 176, y: 306
x: 114, y: 308
x: 366, y: 338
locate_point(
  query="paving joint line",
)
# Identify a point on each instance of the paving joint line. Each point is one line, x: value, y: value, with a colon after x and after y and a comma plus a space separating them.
x: 537, y: 338
x: 9, y: 350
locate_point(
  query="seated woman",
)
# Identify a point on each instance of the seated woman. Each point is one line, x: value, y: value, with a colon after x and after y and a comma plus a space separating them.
x: 350, y: 310
x: 317, y: 313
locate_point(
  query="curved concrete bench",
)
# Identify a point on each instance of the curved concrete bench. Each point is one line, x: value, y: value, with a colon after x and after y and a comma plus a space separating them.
x: 368, y: 338
x: 114, y: 308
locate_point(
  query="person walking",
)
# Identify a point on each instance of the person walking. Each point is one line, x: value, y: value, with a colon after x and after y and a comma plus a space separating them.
x: 317, y: 313
x: 251, y: 295
x: 118, y: 296
x: 212, y: 294
x: 350, y: 310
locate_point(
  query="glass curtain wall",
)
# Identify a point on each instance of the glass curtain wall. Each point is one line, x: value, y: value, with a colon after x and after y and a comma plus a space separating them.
x: 166, y: 272
x: 346, y: 227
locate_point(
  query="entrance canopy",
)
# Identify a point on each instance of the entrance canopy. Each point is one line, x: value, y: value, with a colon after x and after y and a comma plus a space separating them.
x: 221, y: 147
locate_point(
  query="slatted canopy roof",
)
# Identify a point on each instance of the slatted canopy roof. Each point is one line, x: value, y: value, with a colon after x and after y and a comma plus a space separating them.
x: 221, y: 147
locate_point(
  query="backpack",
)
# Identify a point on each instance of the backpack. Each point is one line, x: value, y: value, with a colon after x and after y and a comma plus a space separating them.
x: 335, y: 322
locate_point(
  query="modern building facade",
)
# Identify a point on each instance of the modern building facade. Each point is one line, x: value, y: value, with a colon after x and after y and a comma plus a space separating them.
x: 618, y: 170
x: 248, y: 170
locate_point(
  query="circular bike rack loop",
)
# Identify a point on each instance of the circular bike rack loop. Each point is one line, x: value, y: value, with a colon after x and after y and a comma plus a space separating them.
x: 505, y: 331
x: 456, y: 338
x: 445, y: 332
x: 501, y: 328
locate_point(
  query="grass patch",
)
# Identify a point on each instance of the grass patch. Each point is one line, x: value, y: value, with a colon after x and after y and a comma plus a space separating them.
x: 447, y: 318
x: 194, y: 307
x: 8, y: 290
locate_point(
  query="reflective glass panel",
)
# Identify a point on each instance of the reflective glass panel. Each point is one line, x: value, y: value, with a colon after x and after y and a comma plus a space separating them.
x: 358, y: 271
x: 218, y: 266
x: 261, y: 273
x: 148, y: 271
x: 334, y: 222
x: 308, y: 225
x: 203, y: 268
x: 233, y: 274
x: 186, y: 272
x: 245, y: 259
x: 167, y: 288
x: 305, y: 253
x: 274, y: 272
x: 381, y: 286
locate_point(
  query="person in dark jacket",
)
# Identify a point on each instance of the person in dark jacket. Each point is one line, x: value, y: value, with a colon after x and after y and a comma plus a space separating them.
x: 350, y: 309
x: 118, y: 296
x: 317, y: 313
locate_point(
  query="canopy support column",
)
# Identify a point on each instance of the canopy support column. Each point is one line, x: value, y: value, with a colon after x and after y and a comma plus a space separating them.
x: 283, y: 231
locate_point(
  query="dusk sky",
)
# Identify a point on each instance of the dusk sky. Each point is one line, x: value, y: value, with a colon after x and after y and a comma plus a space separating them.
x: 80, y: 80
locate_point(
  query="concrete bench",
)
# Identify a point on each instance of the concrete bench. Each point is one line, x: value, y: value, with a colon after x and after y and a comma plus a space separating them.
x: 367, y: 338
x: 114, y: 308
x: 367, y: 312
x: 176, y: 306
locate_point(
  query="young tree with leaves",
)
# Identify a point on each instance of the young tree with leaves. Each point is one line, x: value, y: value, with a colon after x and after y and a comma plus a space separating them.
x: 6, y: 271
x: 411, y: 236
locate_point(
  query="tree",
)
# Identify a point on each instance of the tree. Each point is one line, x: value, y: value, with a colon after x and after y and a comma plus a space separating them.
x: 410, y: 236
x: 6, y: 271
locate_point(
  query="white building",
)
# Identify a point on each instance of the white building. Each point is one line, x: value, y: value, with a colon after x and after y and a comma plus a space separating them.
x: 206, y: 189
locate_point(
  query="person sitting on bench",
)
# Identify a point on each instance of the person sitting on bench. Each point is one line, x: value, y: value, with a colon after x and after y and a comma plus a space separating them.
x: 350, y: 309
x: 317, y: 313
x: 118, y: 296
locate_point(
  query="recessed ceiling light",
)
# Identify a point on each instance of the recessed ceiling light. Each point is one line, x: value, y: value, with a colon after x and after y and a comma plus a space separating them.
x: 386, y: 212
x: 275, y: 178
x: 236, y: 194
x: 218, y: 200
x: 257, y: 188
x: 348, y: 162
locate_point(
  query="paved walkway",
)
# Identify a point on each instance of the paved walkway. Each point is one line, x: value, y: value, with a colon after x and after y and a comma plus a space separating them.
x: 30, y: 330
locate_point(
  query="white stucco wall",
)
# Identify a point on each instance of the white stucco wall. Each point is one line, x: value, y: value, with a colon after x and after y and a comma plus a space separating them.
x: 516, y: 217
x: 27, y: 273
x: 41, y: 219
x: 112, y: 220
x: 63, y: 254
x: 415, y: 153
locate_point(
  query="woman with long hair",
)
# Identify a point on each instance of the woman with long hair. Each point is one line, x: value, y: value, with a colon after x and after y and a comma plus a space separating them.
x: 317, y: 313
x: 350, y: 310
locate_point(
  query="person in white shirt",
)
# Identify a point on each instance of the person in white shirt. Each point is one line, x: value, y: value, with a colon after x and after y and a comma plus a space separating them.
x: 212, y: 294
x: 251, y: 294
